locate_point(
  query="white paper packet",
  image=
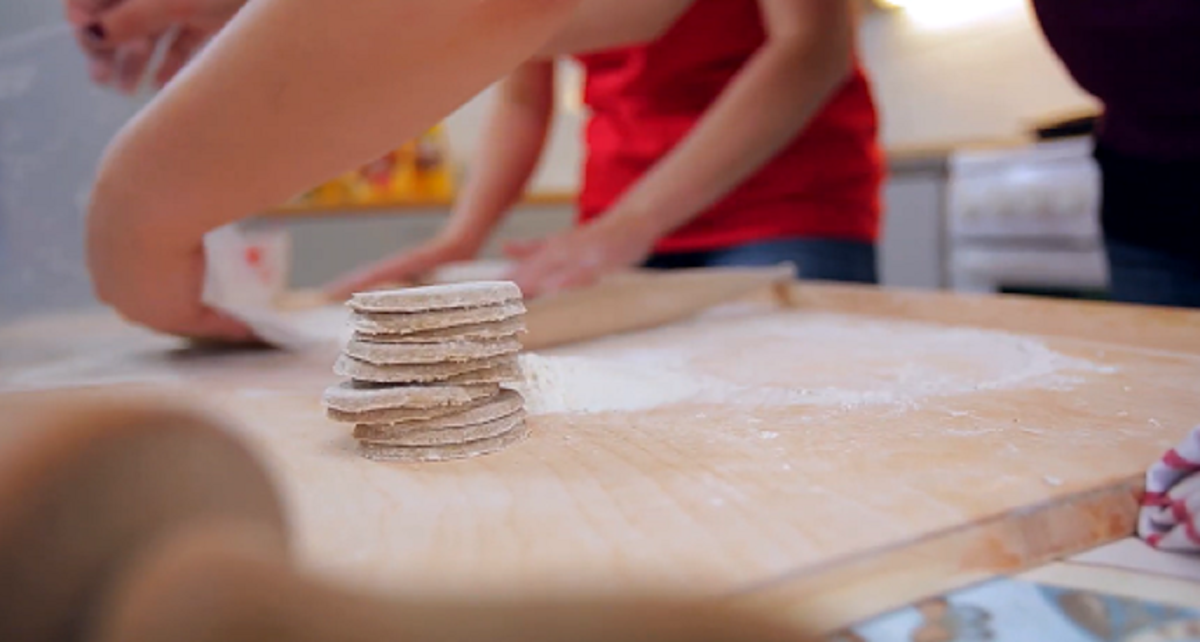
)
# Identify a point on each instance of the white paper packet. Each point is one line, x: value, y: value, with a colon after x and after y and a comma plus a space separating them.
x: 245, y: 270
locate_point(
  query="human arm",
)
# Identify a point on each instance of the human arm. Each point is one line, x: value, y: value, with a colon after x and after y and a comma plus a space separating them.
x: 269, y: 109
x: 807, y: 55
x: 509, y: 152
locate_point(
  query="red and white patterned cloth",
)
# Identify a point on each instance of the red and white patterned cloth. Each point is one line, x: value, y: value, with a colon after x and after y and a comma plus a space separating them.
x: 1170, y: 515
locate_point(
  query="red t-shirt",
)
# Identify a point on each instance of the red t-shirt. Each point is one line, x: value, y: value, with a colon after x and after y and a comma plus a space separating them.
x: 644, y: 99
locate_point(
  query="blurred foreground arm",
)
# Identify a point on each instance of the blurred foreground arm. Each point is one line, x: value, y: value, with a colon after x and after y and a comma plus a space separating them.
x: 287, y: 95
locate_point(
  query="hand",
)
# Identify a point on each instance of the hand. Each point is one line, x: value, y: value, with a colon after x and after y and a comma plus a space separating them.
x: 580, y: 256
x: 156, y: 285
x: 119, y: 36
x: 404, y: 266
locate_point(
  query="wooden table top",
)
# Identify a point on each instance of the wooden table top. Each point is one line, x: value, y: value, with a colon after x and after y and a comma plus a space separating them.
x: 849, y: 455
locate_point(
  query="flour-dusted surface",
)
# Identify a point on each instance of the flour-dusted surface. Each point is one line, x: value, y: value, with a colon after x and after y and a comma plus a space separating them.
x: 735, y: 450
x: 792, y: 358
x: 98, y: 350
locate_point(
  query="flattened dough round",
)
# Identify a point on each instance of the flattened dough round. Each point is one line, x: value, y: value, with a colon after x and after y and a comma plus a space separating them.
x: 355, y: 397
x: 411, y: 322
x: 506, y: 372
x: 435, y: 436
x: 491, y: 370
x: 470, y: 294
x: 412, y: 454
x: 489, y: 331
x: 388, y: 415
x: 386, y: 421
x: 452, y: 350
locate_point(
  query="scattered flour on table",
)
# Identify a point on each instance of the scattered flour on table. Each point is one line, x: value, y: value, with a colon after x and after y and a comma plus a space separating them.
x: 562, y: 384
x: 791, y: 358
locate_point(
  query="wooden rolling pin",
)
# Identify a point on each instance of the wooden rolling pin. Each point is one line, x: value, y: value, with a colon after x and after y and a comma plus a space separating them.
x: 123, y: 520
x: 639, y: 300
x: 624, y: 302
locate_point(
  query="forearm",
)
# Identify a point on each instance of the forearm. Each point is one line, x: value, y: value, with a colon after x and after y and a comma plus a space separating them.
x: 508, y: 154
x: 273, y: 107
x: 773, y: 98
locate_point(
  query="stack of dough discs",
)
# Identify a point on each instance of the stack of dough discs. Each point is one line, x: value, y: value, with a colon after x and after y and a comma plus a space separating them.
x: 427, y: 368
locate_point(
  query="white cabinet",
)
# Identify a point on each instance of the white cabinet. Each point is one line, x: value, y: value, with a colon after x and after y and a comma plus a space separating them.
x: 912, y: 248
x: 330, y: 244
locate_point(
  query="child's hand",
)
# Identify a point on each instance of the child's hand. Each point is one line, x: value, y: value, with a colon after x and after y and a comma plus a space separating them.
x: 155, y: 284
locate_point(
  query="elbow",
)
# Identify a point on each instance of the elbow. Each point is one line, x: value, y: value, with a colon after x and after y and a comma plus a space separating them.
x: 828, y: 53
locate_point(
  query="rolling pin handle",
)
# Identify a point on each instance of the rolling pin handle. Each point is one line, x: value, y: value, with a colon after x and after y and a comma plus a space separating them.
x: 783, y: 289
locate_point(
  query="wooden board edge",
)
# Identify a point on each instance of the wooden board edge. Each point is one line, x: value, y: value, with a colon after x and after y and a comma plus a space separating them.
x: 1169, y: 329
x: 1118, y: 583
x: 841, y: 594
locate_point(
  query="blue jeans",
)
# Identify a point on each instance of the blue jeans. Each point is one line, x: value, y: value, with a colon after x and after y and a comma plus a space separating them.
x: 815, y: 259
x: 1147, y: 276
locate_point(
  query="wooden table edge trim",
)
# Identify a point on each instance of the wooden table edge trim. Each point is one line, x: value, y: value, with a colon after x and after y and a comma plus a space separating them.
x: 841, y: 593
x: 1165, y: 329
x: 406, y: 205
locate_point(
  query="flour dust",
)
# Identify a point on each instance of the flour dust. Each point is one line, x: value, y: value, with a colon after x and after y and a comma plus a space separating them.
x: 791, y: 358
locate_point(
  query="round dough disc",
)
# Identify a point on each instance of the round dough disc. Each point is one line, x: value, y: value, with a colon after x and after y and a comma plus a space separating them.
x: 414, y: 454
x: 386, y: 421
x: 352, y: 397
x: 432, y: 435
x: 469, y: 294
x: 413, y: 322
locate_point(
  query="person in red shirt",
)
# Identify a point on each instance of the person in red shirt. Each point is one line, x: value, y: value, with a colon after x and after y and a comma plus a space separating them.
x: 723, y: 132
x: 744, y: 134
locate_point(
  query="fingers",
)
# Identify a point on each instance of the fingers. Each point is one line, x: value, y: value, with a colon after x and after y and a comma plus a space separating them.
x: 132, y: 60
x: 102, y: 69
x: 122, y: 65
x: 524, y: 248
x: 576, y: 276
x: 78, y: 16
x: 185, y: 44
x: 101, y: 58
x: 133, y: 20
x: 397, y: 269
x: 211, y: 324
x: 547, y: 273
x: 548, y: 265
x: 81, y: 12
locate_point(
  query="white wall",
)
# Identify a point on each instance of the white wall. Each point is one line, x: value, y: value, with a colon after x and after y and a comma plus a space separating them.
x: 946, y: 71
x: 962, y: 70
x: 559, y: 170
x: 53, y: 125
x: 978, y: 75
